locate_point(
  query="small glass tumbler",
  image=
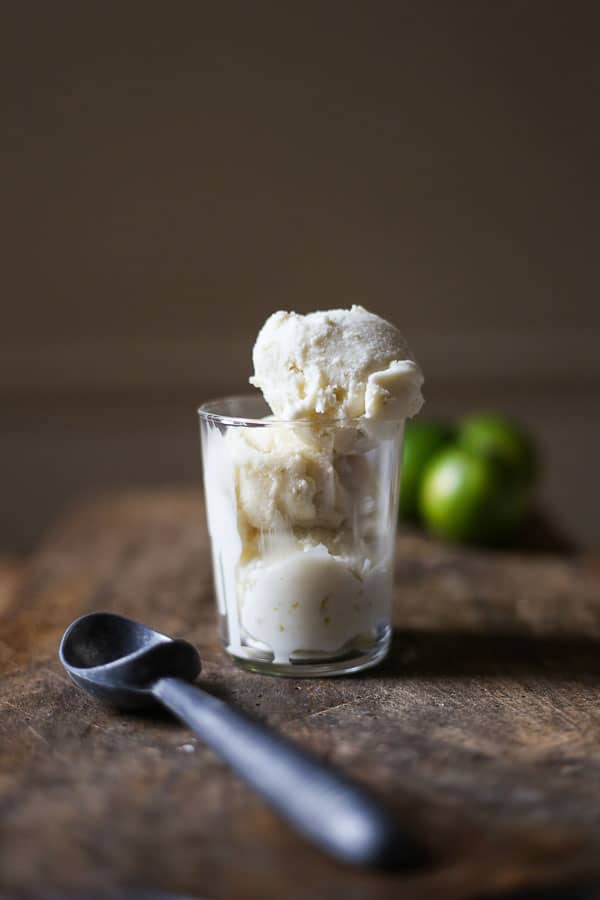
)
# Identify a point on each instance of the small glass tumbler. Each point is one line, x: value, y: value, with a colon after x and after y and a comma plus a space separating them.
x: 302, y: 521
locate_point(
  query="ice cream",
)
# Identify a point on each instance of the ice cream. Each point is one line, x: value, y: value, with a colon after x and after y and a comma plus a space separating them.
x: 302, y: 504
x: 342, y: 364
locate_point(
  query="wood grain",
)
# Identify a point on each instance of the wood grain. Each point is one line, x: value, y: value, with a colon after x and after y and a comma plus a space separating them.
x: 482, y: 729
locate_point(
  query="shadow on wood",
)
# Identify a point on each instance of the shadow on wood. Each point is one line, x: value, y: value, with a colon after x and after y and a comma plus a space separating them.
x: 421, y: 654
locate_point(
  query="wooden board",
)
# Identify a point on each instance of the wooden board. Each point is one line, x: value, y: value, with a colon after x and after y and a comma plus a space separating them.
x: 482, y: 730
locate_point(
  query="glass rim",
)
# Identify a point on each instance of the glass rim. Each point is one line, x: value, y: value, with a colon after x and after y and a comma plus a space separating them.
x: 207, y: 412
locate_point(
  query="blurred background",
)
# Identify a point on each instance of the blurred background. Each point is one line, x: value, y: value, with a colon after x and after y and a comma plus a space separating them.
x: 174, y: 172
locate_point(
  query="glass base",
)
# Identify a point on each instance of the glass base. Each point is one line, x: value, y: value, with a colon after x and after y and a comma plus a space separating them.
x: 346, y: 662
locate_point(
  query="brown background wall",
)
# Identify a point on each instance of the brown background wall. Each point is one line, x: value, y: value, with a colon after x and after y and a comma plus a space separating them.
x: 173, y: 172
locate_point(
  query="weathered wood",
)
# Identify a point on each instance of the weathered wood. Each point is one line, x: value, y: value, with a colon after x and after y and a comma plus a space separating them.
x: 482, y: 729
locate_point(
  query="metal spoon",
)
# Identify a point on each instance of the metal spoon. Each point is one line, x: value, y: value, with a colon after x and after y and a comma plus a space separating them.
x: 132, y: 666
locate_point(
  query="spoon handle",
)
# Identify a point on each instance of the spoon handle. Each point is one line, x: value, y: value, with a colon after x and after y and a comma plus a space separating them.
x: 325, y: 806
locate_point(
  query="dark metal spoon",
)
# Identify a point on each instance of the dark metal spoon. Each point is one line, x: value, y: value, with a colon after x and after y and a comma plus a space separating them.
x: 132, y: 667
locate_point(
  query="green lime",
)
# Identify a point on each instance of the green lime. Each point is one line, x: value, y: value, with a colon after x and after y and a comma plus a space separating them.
x: 422, y: 439
x: 501, y: 439
x: 470, y: 498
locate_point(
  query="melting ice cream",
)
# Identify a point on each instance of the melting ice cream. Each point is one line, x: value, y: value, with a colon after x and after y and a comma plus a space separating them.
x: 301, y: 506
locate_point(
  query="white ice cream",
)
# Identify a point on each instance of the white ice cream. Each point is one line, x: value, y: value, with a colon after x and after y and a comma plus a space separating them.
x: 302, y: 510
x: 342, y: 364
x: 311, y: 601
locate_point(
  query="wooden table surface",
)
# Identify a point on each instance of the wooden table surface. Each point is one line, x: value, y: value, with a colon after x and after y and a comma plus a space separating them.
x: 482, y: 730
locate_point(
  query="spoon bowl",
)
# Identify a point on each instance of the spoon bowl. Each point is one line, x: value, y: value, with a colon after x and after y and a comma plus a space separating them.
x: 118, y: 660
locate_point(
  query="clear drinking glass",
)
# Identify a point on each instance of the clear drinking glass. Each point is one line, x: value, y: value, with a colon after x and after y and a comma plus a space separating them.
x: 302, y: 521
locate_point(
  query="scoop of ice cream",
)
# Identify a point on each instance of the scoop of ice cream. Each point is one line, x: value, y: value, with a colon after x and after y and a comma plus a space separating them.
x: 339, y: 364
x: 283, y: 481
x: 312, y: 600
